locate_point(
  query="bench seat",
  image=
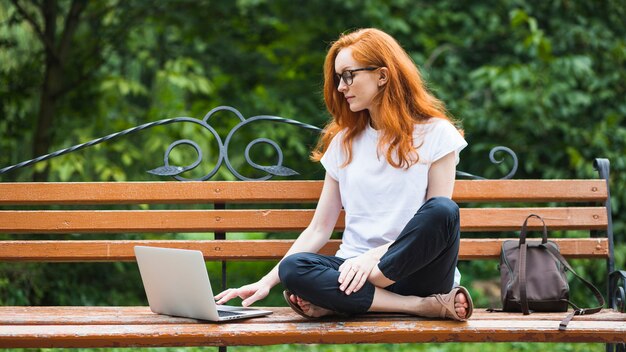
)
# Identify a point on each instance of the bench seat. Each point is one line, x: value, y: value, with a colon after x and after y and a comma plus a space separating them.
x: 40, y: 327
x: 90, y: 222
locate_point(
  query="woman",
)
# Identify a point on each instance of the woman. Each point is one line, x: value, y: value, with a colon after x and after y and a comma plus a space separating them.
x: 390, y: 155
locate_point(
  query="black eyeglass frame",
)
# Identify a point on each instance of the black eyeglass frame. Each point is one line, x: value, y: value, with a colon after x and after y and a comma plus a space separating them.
x: 348, y: 75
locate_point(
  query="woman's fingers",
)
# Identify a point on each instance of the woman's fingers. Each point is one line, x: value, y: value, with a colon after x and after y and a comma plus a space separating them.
x: 251, y: 299
x: 220, y: 295
x: 348, y: 279
x: 342, y: 276
x: 226, y: 296
x: 351, y: 276
x: 230, y: 294
x: 346, y: 272
x: 356, y: 282
x: 224, y: 293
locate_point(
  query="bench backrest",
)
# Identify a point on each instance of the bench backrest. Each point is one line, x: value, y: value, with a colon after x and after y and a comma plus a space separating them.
x: 217, y: 208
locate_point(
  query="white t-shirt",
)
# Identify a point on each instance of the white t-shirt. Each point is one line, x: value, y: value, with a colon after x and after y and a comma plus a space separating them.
x: 379, y: 199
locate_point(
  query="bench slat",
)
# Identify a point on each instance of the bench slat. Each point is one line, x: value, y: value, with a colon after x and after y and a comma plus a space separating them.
x: 192, y: 192
x: 410, y: 330
x: 141, y: 315
x: 593, y: 190
x: 108, y: 251
x: 119, y: 221
x: 530, y: 191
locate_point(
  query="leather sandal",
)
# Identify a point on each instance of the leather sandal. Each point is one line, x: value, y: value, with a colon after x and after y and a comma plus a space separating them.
x: 295, y: 306
x: 442, y: 305
x: 299, y: 310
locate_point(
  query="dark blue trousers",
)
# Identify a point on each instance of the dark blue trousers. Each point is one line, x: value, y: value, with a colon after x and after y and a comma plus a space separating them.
x: 421, y: 261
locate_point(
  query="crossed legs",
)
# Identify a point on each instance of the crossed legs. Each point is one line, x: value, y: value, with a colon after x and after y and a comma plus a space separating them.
x: 386, y: 301
x: 413, y: 276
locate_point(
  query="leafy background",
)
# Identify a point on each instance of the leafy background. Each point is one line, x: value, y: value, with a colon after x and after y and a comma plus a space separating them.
x: 543, y: 78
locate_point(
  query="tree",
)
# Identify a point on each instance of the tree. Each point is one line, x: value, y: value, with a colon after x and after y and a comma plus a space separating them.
x: 544, y: 78
x: 69, y: 57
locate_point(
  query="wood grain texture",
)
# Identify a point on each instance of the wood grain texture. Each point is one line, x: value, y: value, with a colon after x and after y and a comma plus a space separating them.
x: 593, y: 190
x: 266, y: 331
x: 113, y: 251
x: 141, y: 315
x: 530, y: 191
x: 159, y: 192
x: 136, y: 221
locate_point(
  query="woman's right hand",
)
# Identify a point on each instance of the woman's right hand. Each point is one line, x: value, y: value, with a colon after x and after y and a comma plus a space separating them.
x: 248, y: 293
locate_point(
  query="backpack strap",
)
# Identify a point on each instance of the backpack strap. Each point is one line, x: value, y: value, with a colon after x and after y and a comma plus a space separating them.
x: 523, y: 247
x: 592, y: 288
x: 523, y: 297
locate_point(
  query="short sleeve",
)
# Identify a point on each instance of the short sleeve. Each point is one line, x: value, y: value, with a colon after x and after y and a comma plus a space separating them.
x: 444, y: 138
x: 330, y: 159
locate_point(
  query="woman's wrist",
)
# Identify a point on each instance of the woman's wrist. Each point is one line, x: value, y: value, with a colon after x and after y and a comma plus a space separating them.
x: 373, y: 254
x: 271, y: 279
x: 377, y: 253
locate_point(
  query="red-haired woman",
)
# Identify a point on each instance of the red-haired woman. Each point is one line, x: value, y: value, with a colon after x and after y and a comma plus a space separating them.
x: 390, y: 154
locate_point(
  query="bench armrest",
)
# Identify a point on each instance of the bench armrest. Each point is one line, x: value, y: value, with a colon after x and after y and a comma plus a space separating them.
x: 617, y: 283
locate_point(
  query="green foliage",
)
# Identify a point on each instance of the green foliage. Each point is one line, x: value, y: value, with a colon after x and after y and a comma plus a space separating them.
x: 70, y: 284
x: 543, y: 78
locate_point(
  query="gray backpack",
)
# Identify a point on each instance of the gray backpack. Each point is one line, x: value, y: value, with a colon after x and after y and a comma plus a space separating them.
x: 533, y: 277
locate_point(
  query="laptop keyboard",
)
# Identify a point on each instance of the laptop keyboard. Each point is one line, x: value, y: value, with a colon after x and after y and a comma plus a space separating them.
x: 223, y: 313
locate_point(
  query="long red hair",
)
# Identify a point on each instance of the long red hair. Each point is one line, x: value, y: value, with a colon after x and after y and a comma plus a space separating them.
x: 402, y: 102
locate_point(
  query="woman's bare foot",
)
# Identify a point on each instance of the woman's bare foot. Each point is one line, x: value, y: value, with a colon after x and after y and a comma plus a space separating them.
x: 460, y: 304
x: 310, y: 309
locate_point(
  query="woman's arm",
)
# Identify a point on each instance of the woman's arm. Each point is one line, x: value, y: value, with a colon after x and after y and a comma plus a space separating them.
x: 312, y: 239
x: 317, y: 234
x: 441, y: 177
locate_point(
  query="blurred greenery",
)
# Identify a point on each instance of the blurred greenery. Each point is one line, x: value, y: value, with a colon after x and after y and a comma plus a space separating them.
x: 545, y: 78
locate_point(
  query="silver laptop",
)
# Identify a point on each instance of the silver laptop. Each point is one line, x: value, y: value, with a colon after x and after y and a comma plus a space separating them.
x: 177, y: 283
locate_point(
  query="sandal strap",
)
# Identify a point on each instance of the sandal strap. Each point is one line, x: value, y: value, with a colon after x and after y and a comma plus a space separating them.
x: 447, y: 304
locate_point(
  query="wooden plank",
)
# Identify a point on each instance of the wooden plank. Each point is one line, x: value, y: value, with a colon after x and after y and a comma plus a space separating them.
x: 571, y: 248
x: 15, y: 315
x: 530, y: 191
x: 593, y: 190
x: 110, y: 251
x: 511, y: 219
x: 305, y: 331
x: 159, y: 192
x: 134, y: 221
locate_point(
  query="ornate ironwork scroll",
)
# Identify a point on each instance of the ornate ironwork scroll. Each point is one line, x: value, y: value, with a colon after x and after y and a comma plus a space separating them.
x: 223, y: 146
x: 493, y: 159
x: 223, y: 158
x: 274, y: 170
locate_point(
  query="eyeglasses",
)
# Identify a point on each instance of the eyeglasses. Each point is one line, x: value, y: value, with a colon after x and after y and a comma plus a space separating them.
x: 348, y: 75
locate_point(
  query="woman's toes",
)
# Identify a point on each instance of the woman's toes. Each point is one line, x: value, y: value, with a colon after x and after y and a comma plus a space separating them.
x: 308, y: 308
x: 461, y: 312
x: 460, y: 298
x: 460, y: 305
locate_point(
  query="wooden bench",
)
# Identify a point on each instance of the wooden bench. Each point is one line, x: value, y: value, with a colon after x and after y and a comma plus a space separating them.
x: 488, y: 207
